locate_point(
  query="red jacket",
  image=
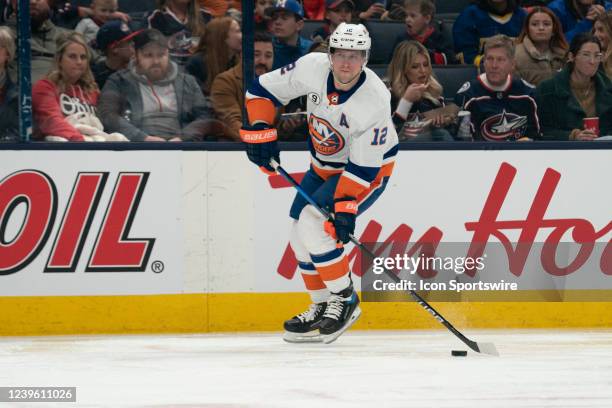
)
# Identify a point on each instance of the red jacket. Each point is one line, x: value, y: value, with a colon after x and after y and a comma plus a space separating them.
x: 51, y: 107
x: 314, y: 9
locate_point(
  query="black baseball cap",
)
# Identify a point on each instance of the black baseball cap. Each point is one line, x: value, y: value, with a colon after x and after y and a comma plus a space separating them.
x: 112, y: 33
x: 150, y: 36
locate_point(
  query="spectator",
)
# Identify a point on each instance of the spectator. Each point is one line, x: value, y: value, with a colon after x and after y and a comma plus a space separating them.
x: 181, y: 21
x: 68, y: 13
x: 227, y: 93
x: 370, y: 9
x: 483, y: 20
x: 216, y: 8
x: 602, y: 29
x: 262, y: 19
x: 336, y: 12
x: 9, y: 117
x: 8, y: 17
x: 64, y: 103
x: 541, y: 46
x: 218, y: 50
x: 577, y: 16
x: 114, y: 39
x: 43, y: 44
x: 420, y: 27
x: 152, y: 100
x: 579, y: 91
x: 501, y: 108
x: 395, y: 11
x: 101, y: 12
x: 414, y: 92
x: 287, y: 22
x: 314, y: 9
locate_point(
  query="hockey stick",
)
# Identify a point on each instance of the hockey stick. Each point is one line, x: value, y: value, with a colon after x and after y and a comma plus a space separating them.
x: 485, y: 348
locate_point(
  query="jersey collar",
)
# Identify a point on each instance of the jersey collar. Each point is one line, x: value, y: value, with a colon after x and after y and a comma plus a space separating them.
x: 343, y: 96
x: 485, y: 82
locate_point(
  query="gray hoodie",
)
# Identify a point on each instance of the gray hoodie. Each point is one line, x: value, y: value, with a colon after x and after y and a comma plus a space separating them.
x: 174, y: 106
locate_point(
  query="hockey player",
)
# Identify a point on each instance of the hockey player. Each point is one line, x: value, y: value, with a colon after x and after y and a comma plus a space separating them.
x: 353, y: 146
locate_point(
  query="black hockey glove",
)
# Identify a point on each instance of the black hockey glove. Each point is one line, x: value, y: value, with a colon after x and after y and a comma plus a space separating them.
x: 261, y: 146
x: 345, y: 213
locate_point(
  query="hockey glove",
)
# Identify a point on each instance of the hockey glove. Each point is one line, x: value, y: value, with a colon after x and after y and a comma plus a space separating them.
x: 345, y: 213
x: 261, y: 146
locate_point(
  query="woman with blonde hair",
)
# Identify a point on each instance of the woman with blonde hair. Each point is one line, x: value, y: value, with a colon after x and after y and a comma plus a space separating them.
x: 416, y: 96
x: 9, y: 125
x: 64, y: 103
x: 219, y: 50
x: 603, y: 31
x: 541, y: 46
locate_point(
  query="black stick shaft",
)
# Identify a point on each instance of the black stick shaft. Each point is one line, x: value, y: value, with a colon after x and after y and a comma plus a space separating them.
x: 422, y: 302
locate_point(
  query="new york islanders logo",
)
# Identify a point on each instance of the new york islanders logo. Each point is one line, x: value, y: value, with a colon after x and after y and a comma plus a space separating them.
x: 504, y: 126
x: 325, y: 139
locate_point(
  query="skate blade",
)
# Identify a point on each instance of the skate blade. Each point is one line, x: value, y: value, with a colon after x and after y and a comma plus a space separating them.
x: 330, y: 338
x: 311, y: 337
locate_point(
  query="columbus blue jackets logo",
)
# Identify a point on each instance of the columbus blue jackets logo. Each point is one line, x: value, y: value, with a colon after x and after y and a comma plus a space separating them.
x: 504, y: 126
x: 325, y: 139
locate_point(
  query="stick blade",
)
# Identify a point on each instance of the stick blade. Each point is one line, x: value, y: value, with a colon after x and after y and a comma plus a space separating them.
x: 488, y: 348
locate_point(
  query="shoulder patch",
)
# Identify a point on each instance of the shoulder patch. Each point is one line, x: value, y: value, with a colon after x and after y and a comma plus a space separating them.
x: 464, y: 87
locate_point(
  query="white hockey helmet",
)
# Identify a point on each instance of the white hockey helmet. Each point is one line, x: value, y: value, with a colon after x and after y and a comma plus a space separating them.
x: 350, y: 37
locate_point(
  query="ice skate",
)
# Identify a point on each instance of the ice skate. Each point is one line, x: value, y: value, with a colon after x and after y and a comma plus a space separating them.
x: 341, y: 312
x: 304, y: 327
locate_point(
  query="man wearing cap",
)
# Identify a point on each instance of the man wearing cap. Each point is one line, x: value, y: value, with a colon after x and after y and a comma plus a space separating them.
x: 114, y: 40
x: 287, y: 22
x: 43, y: 35
x: 336, y: 12
x: 151, y: 100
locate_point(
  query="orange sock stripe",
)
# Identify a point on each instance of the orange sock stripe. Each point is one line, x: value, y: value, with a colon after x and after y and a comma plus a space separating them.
x: 335, y: 270
x: 260, y: 110
x: 313, y: 282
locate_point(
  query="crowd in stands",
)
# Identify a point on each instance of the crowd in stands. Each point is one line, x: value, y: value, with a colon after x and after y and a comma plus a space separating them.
x: 538, y: 69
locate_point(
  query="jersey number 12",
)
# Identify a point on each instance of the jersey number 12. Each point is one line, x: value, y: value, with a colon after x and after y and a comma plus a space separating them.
x: 380, y: 136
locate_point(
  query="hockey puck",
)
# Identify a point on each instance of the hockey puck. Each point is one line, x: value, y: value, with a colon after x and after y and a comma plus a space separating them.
x: 458, y: 353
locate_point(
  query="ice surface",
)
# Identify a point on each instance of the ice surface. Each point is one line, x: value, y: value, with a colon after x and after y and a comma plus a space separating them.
x: 361, y: 369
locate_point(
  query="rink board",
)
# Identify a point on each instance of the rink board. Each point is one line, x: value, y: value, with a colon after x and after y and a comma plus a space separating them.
x: 175, y: 241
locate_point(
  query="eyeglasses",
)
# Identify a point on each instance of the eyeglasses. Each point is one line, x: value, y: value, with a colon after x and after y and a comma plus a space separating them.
x: 598, y: 57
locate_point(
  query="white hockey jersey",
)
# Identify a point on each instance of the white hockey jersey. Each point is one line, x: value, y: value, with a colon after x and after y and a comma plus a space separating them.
x: 351, y: 132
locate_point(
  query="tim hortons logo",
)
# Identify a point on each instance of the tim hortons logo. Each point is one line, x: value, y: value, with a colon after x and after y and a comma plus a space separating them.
x: 112, y: 251
x: 490, y: 226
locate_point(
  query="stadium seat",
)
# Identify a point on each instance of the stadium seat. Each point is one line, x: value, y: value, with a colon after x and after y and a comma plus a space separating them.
x: 383, y: 35
x: 138, y: 20
x: 379, y: 69
x: 131, y: 6
x: 310, y: 26
x: 451, y: 6
x: 453, y: 76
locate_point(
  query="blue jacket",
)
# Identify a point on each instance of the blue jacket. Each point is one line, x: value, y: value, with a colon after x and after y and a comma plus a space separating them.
x: 570, y: 23
x: 474, y: 25
x: 285, y: 54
